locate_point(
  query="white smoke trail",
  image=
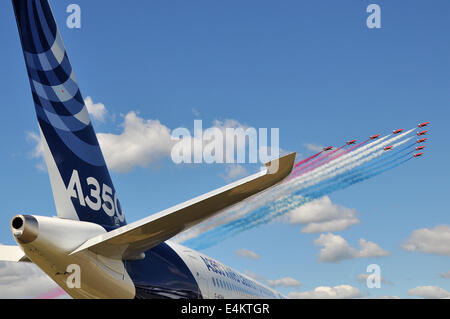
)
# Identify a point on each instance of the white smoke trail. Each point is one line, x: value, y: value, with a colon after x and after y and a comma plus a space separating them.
x: 348, y: 165
x: 279, y: 208
x: 280, y: 193
x: 278, y: 205
x: 354, y: 152
x: 347, y: 159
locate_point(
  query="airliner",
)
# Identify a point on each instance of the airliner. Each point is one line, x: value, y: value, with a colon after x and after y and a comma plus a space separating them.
x: 115, y: 259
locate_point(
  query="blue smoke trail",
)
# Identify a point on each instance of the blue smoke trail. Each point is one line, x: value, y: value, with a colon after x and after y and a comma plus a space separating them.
x: 310, y: 194
x: 365, y: 160
x: 325, y: 186
x: 264, y: 215
x: 340, y: 182
x: 364, y: 167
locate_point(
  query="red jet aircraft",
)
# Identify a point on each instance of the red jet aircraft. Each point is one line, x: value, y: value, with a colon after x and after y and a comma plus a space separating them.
x: 329, y: 148
x: 422, y: 140
x: 351, y: 142
x: 375, y: 136
x: 423, y: 124
x: 420, y: 148
x: 419, y: 154
x: 388, y: 148
x: 398, y: 131
x: 422, y: 133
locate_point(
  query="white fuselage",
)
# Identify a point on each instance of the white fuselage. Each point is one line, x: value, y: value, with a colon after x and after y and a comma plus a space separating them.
x: 167, y: 271
x: 217, y: 281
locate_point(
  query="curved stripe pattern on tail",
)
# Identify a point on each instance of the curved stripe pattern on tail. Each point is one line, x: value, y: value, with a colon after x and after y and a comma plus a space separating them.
x: 64, y: 119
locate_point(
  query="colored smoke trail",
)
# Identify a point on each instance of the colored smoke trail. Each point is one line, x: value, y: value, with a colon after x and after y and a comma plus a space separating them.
x: 306, y: 160
x: 342, y: 181
x: 282, y: 208
x: 335, y: 172
x: 351, y: 160
x: 332, y: 169
x: 326, y: 187
x: 52, y: 294
x: 320, y: 161
x: 346, y: 151
x: 268, y: 213
x: 354, y: 154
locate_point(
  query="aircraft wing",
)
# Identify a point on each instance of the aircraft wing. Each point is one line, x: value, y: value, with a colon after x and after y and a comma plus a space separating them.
x: 130, y: 241
x: 12, y: 254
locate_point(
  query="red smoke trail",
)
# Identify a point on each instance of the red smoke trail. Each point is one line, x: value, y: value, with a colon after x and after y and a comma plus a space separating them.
x: 307, y: 160
x: 302, y: 170
x: 318, y: 161
x: 52, y: 294
x: 315, y: 163
x: 323, y: 161
x: 338, y: 155
x: 349, y: 150
x: 322, y: 157
x: 356, y: 146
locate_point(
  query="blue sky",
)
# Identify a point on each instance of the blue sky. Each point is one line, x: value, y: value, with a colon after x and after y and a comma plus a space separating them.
x: 310, y: 68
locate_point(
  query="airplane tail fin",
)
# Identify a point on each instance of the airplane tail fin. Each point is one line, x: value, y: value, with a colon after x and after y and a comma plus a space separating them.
x: 81, y: 184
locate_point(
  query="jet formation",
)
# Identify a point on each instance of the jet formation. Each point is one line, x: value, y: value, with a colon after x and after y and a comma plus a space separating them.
x: 419, y: 141
x: 395, y: 132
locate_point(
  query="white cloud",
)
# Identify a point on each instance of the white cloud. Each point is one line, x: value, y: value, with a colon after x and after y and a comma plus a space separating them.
x: 314, y: 147
x: 337, y: 292
x: 370, y: 249
x: 429, y: 292
x: 144, y: 142
x: 38, y: 151
x: 284, y: 282
x: 245, y: 253
x: 254, y: 275
x: 97, y: 111
x: 322, y: 215
x: 195, y: 112
x: 141, y: 143
x: 234, y: 171
x: 335, y: 249
x: 363, y: 278
x: 445, y: 275
x: 23, y: 280
x: 239, y: 139
x: 243, y: 144
x: 229, y: 123
x: 432, y: 241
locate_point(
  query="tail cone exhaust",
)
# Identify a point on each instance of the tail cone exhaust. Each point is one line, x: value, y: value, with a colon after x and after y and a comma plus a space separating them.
x: 25, y: 228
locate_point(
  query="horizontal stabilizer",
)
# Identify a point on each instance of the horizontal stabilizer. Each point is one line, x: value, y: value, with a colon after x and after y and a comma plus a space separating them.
x: 12, y: 254
x: 130, y: 241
